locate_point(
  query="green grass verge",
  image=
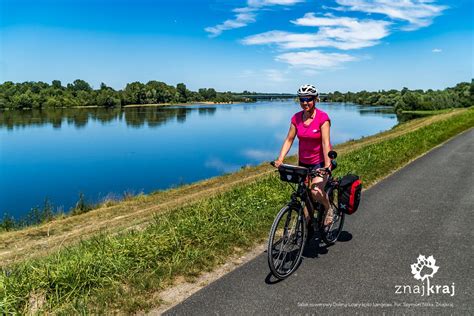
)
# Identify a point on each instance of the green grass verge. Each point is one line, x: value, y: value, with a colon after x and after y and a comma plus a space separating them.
x: 123, y: 272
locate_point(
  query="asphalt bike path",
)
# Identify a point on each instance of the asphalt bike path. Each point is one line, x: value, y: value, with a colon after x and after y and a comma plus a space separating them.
x: 426, y: 209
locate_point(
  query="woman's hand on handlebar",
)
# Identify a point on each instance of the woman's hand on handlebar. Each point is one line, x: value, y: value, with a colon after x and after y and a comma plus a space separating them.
x: 276, y: 163
x: 321, y: 172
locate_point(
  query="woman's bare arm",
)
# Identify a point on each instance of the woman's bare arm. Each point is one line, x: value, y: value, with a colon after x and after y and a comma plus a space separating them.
x: 326, y: 142
x: 286, y: 145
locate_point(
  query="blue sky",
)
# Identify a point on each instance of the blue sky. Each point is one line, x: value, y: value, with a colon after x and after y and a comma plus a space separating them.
x: 256, y: 45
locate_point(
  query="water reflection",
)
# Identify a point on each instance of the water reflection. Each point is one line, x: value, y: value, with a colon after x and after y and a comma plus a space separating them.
x: 80, y: 117
x: 203, y: 111
x: 405, y: 117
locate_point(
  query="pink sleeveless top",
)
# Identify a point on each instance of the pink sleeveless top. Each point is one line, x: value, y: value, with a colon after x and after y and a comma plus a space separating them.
x: 310, y: 149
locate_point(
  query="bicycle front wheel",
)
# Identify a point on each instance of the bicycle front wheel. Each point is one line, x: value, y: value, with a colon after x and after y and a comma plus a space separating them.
x: 286, y: 241
x: 331, y: 233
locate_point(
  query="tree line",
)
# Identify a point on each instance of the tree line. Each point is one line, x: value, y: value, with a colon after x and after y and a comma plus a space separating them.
x: 461, y: 95
x: 80, y: 93
x: 39, y: 95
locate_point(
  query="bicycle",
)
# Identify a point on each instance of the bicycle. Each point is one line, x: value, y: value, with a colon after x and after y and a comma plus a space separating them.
x: 289, y: 231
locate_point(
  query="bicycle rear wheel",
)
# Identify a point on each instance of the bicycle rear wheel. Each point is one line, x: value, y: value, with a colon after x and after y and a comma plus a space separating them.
x: 331, y: 233
x: 286, y: 241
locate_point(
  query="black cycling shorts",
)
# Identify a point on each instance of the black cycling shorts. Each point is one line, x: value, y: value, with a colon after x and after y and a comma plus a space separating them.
x: 311, y: 166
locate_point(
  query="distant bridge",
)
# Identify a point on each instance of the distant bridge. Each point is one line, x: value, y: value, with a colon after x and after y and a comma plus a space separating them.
x: 269, y: 96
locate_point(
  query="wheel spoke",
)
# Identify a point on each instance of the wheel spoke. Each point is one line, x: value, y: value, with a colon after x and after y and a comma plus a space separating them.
x: 331, y: 232
x: 285, y: 242
x: 281, y: 263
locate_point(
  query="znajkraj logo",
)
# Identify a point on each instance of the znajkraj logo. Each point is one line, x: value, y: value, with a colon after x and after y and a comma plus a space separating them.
x: 424, y: 270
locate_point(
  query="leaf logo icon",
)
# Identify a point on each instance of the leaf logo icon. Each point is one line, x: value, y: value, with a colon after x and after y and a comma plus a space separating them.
x: 424, y: 268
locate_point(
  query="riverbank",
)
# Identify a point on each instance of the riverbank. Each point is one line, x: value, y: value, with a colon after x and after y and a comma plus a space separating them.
x: 433, y: 112
x: 136, y: 105
x: 179, y: 104
x: 144, y: 247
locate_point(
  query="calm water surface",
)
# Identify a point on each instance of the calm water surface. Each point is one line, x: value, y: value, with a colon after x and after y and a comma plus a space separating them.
x: 57, y: 154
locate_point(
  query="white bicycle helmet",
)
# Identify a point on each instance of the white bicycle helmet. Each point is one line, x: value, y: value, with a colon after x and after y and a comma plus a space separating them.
x: 307, y: 90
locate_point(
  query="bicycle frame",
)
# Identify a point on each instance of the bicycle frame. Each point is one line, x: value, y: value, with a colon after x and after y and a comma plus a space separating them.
x: 302, y: 198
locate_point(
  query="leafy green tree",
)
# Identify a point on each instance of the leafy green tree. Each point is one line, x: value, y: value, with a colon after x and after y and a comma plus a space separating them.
x: 411, y: 100
x: 52, y: 103
x: 182, y: 92
x: 23, y: 101
x: 56, y: 84
x: 108, y: 98
x: 209, y: 94
x: 81, y: 85
x: 134, y: 93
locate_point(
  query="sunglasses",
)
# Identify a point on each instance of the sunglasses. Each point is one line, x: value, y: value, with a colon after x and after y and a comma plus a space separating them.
x: 306, y: 99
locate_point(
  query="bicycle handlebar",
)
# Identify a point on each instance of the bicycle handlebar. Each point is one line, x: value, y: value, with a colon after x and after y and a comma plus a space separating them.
x: 319, y: 172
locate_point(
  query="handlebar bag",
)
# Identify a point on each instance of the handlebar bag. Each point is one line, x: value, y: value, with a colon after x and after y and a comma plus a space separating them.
x: 294, y: 174
x: 350, y: 189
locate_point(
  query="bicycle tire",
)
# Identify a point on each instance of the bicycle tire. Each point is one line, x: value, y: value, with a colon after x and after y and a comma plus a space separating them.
x: 284, y: 254
x: 330, y: 234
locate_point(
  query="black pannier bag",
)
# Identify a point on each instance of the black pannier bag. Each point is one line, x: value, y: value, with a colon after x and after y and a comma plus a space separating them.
x: 350, y: 189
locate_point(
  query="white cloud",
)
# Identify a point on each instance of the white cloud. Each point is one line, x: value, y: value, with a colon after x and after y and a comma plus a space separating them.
x: 246, y: 15
x: 344, y: 28
x: 315, y: 59
x: 283, y: 39
x: 339, y: 32
x: 419, y: 13
x: 263, y: 3
x: 241, y: 19
x: 437, y: 50
x: 287, y: 40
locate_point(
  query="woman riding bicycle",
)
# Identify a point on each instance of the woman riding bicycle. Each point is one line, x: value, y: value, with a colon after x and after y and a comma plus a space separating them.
x: 312, y: 126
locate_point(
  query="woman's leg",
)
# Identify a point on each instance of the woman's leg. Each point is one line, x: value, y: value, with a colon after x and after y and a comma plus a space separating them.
x: 319, y: 194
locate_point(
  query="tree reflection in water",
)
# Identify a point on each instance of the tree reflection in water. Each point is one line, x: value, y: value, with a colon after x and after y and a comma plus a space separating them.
x: 134, y: 116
